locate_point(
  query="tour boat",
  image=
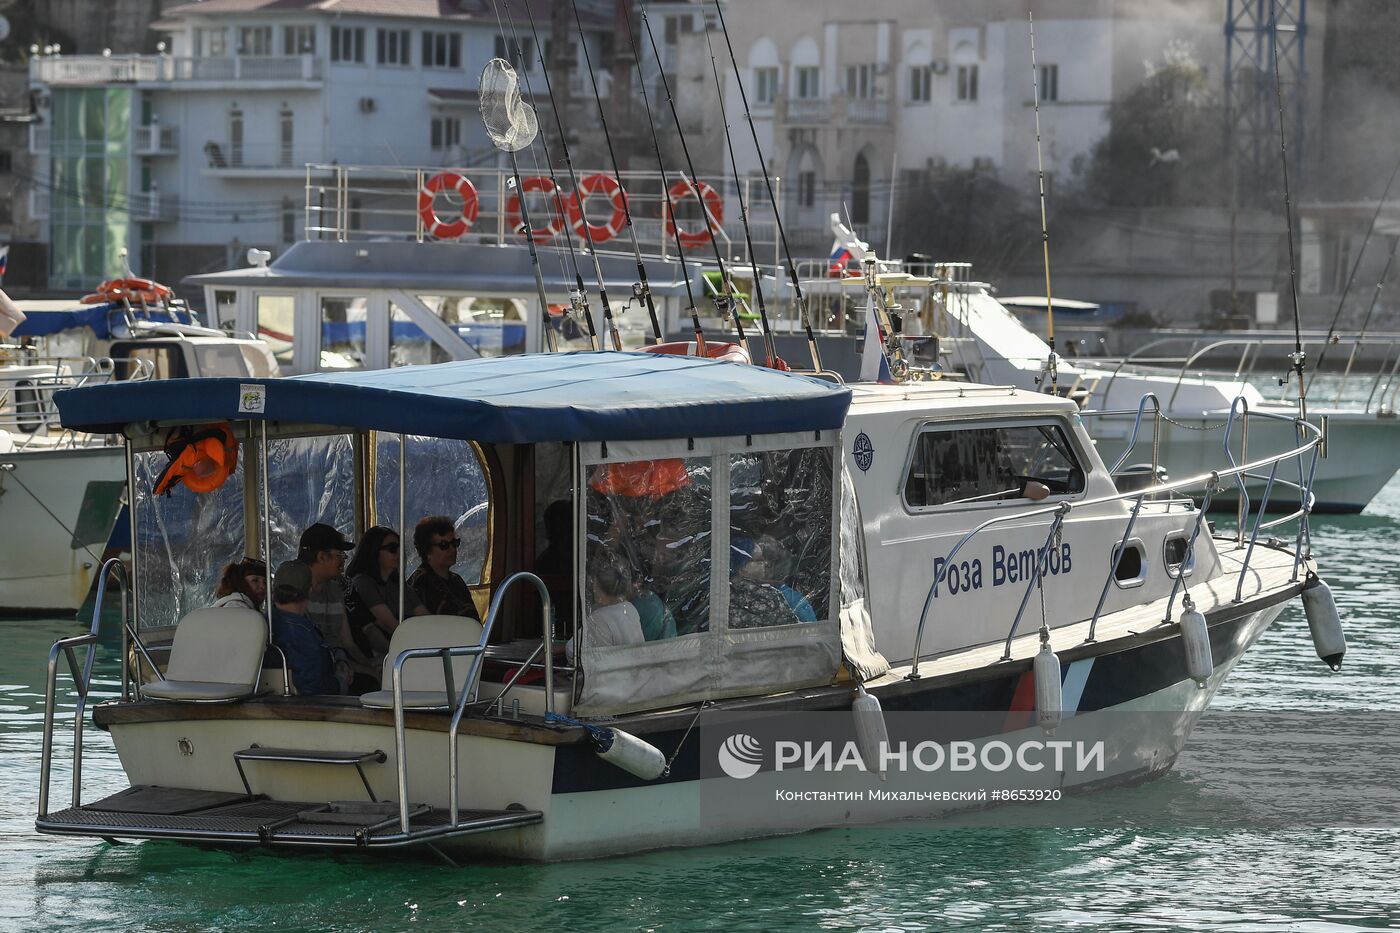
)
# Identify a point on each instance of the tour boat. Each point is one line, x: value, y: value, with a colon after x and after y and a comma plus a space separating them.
x: 753, y: 562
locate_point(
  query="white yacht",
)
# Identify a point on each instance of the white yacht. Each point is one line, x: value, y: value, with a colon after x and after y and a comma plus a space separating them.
x: 67, y: 488
x: 752, y: 557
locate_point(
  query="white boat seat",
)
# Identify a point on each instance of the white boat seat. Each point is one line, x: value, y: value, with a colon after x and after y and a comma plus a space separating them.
x: 424, y: 686
x: 216, y: 654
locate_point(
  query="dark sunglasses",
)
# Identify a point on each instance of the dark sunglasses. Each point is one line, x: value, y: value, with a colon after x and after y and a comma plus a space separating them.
x: 392, y: 547
x: 448, y: 545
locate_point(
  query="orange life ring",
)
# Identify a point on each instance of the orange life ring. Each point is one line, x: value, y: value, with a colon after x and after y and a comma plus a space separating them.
x: 557, y: 210
x: 202, y: 460
x: 470, y: 205
x: 728, y: 352
x: 587, y: 186
x: 640, y: 479
x: 714, y: 206
x: 131, y: 289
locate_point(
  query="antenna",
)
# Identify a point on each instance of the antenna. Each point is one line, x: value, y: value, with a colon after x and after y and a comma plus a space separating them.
x: 665, y: 186
x: 643, y: 288
x: 743, y: 212
x: 1297, y: 357
x: 1052, y: 364
x: 724, y: 304
x: 773, y: 200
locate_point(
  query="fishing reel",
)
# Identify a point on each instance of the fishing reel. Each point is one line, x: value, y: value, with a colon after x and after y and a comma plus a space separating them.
x: 724, y: 307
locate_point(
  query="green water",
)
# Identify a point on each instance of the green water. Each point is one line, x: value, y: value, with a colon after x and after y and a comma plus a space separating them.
x: 1127, y: 873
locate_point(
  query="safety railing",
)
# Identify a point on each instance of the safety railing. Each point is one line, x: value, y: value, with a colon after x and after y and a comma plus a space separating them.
x: 1383, y: 383
x: 1309, y: 438
x: 113, y: 568
x: 466, y: 695
x: 27, y: 408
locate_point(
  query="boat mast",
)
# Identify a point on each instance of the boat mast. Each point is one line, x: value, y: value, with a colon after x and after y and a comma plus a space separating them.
x: 1052, y: 362
x: 1298, y: 357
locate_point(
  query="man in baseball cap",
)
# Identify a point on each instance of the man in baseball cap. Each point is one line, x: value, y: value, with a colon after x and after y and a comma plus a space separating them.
x: 321, y: 537
x: 313, y: 670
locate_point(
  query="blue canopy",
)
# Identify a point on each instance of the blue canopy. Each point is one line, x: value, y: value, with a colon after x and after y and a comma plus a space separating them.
x: 97, y: 318
x: 510, y: 399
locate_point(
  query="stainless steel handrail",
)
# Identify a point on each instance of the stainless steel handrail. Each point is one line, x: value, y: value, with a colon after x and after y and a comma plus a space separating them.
x: 82, y: 681
x: 1301, y: 428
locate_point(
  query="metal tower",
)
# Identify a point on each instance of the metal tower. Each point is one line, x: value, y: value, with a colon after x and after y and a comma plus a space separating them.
x: 1251, y: 105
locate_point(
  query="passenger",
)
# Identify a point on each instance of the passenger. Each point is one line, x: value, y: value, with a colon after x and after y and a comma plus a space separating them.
x: 309, y: 662
x: 558, y: 555
x: 242, y: 585
x: 373, y: 601
x: 657, y: 621
x: 612, y: 620
x: 322, y: 549
x: 753, y: 603
x: 771, y: 564
x: 435, y: 584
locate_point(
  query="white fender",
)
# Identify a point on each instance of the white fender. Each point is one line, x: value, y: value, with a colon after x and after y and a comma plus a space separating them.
x: 1049, y: 696
x: 1324, y: 623
x: 1195, y: 640
x: 872, y: 738
x: 631, y: 754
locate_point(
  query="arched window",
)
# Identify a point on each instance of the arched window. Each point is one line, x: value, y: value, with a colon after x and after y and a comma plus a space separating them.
x: 860, y: 191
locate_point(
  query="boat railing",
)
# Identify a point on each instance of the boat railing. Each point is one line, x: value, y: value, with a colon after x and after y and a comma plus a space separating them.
x: 111, y: 569
x: 27, y: 407
x: 346, y: 203
x: 1383, y: 383
x: 467, y: 693
x: 1309, y: 439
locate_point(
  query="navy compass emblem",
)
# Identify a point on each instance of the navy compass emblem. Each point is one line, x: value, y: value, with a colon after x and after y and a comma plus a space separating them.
x: 863, y: 451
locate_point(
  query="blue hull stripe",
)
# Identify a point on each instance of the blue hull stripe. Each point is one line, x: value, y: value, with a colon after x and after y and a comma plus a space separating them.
x: 1075, y: 678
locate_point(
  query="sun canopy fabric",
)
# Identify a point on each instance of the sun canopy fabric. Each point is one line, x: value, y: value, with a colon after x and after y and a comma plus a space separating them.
x: 511, y: 399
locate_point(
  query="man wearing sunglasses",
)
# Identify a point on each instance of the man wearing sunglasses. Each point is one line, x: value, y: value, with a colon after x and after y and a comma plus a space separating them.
x: 442, y: 591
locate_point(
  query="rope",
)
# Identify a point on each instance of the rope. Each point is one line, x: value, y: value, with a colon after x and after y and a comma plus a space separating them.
x: 71, y: 533
x: 681, y: 744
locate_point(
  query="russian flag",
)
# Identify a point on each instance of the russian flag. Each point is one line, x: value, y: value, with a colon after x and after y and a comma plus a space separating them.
x: 4, y: 261
x: 840, y: 258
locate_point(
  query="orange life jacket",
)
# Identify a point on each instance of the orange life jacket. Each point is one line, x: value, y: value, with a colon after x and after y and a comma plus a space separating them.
x: 202, y: 460
x: 650, y: 479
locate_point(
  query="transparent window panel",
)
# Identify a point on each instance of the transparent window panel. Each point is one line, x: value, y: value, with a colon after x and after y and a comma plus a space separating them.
x: 343, y: 332
x: 443, y: 477
x: 277, y: 326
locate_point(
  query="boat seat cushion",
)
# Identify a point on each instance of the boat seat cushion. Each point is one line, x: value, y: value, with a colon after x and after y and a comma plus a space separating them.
x: 423, y: 677
x: 216, y: 654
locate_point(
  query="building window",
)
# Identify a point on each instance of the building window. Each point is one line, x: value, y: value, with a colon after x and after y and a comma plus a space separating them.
x: 519, y: 52
x: 446, y: 132
x: 809, y: 82
x: 807, y: 188
x: 212, y: 43
x: 348, y: 44
x: 920, y: 84
x: 442, y: 49
x: 285, y: 123
x: 1049, y: 82
x: 859, y: 81
x: 394, y: 47
x: 255, y: 40
x: 235, y: 137
x: 298, y: 40
x: 765, y: 86
x: 967, y: 82
x: 289, y: 221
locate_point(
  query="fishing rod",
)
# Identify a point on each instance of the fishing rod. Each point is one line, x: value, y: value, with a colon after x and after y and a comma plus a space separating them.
x: 1366, y: 322
x: 1298, y: 356
x: 1346, y: 289
x: 665, y: 185
x: 743, y: 212
x: 1052, y: 363
x: 578, y: 299
x: 573, y: 177
x: 773, y: 200
x: 724, y: 304
x: 642, y: 289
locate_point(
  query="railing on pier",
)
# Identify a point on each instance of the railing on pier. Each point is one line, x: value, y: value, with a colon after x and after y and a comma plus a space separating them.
x: 1309, y: 439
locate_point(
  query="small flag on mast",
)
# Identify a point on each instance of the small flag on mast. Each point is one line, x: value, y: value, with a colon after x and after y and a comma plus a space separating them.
x: 4, y: 260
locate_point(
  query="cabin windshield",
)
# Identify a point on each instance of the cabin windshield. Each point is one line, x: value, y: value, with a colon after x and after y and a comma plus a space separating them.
x: 985, y: 463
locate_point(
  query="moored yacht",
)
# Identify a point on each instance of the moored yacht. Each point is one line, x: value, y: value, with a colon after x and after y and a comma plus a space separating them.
x: 745, y: 549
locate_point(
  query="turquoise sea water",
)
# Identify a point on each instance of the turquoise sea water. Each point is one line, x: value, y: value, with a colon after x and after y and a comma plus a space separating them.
x: 1131, y: 871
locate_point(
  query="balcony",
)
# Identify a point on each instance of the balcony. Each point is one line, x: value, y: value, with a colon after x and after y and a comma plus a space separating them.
x: 231, y: 160
x: 153, y: 207
x: 166, y: 69
x: 868, y: 112
x: 157, y: 139
x: 806, y: 111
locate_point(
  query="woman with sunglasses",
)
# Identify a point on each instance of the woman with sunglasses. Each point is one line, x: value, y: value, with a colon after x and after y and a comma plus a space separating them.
x: 373, y: 600
x: 439, y: 588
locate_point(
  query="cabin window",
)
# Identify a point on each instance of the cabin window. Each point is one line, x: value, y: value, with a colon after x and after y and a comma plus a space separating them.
x: 1130, y: 564
x: 30, y: 414
x: 151, y: 362
x: 225, y: 308
x: 647, y: 557
x: 990, y: 463
x: 1174, y: 550
x: 343, y: 320
x: 442, y: 477
x: 220, y: 359
x: 277, y: 326
x: 779, y: 537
